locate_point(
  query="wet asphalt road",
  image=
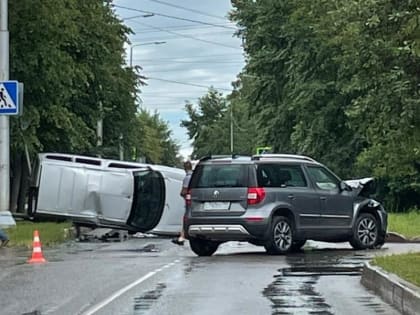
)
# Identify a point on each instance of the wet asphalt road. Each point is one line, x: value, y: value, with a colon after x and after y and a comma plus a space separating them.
x: 152, y: 276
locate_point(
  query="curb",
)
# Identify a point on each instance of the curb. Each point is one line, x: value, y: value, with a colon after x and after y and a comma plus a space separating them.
x: 404, y: 296
x: 393, y: 237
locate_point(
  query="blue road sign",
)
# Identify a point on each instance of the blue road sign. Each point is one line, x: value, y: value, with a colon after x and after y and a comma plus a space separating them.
x: 9, y: 98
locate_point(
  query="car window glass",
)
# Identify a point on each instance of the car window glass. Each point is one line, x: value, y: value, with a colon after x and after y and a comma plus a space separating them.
x: 220, y: 175
x: 278, y: 175
x: 323, y: 179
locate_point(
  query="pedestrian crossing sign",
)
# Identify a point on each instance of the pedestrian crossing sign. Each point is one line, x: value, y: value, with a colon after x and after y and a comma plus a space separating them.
x: 9, y: 98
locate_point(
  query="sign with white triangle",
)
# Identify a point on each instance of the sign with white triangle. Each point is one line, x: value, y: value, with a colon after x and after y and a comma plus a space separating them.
x: 9, y: 98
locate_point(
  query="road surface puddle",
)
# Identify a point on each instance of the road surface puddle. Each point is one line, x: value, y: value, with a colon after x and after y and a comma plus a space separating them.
x: 322, y: 271
x: 302, y: 288
x: 296, y: 295
x: 143, y: 303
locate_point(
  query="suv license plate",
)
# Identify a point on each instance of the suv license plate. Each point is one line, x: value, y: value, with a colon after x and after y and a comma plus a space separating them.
x: 216, y: 205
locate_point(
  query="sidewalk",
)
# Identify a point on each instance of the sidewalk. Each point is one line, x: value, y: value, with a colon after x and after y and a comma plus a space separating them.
x: 403, y: 295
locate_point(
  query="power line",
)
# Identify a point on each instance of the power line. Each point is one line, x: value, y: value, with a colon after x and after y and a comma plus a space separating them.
x: 177, y: 94
x: 179, y: 27
x: 193, y: 57
x: 187, y: 83
x: 187, y: 9
x: 210, y: 62
x: 187, y: 36
x: 172, y: 16
x: 162, y: 97
x: 158, y: 103
x: 135, y: 38
x: 173, y: 70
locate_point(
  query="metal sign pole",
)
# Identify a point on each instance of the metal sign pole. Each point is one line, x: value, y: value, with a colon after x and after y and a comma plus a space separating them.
x: 4, y: 119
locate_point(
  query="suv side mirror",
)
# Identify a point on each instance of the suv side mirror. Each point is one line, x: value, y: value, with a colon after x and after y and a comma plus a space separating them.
x: 344, y: 187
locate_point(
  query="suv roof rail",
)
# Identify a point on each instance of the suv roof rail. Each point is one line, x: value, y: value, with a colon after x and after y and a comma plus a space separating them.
x: 282, y: 156
x: 222, y: 156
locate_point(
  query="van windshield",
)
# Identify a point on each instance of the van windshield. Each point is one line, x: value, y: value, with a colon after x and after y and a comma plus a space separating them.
x: 220, y: 175
x: 149, y: 200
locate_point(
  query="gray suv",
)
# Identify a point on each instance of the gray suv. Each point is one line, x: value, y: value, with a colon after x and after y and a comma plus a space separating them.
x: 278, y: 201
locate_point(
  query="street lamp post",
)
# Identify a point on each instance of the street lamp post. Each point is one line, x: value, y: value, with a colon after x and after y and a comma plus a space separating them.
x: 4, y: 120
x: 138, y: 16
x: 231, y: 128
x: 141, y: 44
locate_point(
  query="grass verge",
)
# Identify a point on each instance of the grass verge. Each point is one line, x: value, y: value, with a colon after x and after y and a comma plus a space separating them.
x: 407, y: 224
x: 406, y: 266
x: 50, y: 233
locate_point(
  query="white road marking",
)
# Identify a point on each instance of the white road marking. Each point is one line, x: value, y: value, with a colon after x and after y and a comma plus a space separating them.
x: 120, y: 292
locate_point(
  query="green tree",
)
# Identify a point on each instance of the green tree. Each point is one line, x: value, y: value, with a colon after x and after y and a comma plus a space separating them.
x: 154, y: 140
x: 211, y: 122
x: 337, y: 80
x: 207, y: 125
x: 70, y: 56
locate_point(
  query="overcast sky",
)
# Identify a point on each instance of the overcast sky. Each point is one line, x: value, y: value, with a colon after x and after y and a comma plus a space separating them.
x: 193, y: 53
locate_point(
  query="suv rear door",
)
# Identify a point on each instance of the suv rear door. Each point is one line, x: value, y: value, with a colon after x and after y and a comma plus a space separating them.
x: 219, y: 189
x: 292, y: 190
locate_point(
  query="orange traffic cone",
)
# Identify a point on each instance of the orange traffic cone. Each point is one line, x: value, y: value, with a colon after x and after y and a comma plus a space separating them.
x: 37, y: 256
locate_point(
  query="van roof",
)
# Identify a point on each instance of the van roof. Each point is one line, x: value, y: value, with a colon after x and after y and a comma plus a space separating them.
x: 104, y: 163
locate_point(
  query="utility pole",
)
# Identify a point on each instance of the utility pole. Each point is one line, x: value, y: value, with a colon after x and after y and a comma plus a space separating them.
x: 4, y: 119
x: 231, y: 128
x: 100, y: 124
x: 121, y: 147
x: 99, y: 127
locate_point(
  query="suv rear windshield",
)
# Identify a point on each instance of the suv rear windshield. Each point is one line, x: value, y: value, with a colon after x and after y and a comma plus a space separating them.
x: 220, y: 175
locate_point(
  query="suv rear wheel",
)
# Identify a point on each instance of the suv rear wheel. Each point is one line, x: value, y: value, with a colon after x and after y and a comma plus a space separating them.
x: 281, y: 236
x: 365, y: 232
x: 203, y: 247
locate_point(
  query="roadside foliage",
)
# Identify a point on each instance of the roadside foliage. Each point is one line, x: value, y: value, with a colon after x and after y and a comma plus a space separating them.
x: 336, y: 80
x: 210, y: 122
x: 70, y: 55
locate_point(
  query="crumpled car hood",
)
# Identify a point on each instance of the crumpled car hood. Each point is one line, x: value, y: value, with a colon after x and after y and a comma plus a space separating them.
x: 363, y: 186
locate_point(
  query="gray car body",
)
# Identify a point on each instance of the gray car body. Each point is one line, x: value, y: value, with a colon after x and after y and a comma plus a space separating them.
x: 317, y: 215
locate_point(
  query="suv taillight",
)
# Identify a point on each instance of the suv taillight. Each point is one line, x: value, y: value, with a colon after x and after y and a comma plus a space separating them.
x: 255, y: 195
x: 188, y: 198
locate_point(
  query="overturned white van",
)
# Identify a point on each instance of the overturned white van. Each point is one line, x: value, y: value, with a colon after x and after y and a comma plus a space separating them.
x: 108, y: 193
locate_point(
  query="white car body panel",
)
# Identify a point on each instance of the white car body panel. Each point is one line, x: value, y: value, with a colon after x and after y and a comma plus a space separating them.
x: 171, y: 221
x: 77, y: 190
x: 6, y: 219
x: 100, y: 194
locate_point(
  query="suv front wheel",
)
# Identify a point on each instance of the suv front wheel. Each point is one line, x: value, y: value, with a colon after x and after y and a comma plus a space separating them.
x: 297, y: 246
x: 281, y: 236
x: 203, y: 247
x: 365, y: 232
